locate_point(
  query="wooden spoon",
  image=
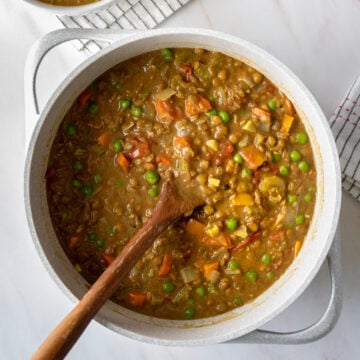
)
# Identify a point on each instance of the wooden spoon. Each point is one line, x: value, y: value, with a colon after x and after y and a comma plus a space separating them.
x: 171, y: 206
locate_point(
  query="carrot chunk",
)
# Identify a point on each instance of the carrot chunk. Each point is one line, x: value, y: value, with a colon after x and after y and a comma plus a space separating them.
x: 108, y: 258
x: 165, y: 266
x: 123, y: 162
x: 209, y: 267
x: 163, y: 159
x: 194, y: 227
x: 195, y: 104
x: 253, y: 157
x: 104, y: 139
x: 83, y: 98
x: 137, y: 298
x: 220, y: 240
x: 164, y: 111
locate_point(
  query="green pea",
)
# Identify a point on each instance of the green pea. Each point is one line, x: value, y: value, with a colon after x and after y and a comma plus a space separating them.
x: 308, y: 197
x: 295, y: 156
x: 125, y: 104
x: 167, y: 53
x: 283, y: 170
x: 118, y: 146
x: 168, y: 287
x: 276, y: 157
x: 231, y: 224
x: 98, y: 179
x: 211, y: 113
x: 118, y: 86
x: 270, y: 275
x: 78, y: 166
x: 71, y: 130
x: 266, y: 259
x: 224, y: 115
x: 93, y: 108
x: 200, y: 291
x: 136, y: 111
x: 88, y: 190
x: 301, y: 138
x: 152, y: 177
x: 251, y: 275
x: 246, y: 172
x: 238, y: 300
x: 300, y: 218
x: 303, y: 166
x: 272, y: 105
x: 77, y: 183
x: 191, y: 302
x: 237, y: 158
x: 292, y: 198
x: 119, y: 183
x: 233, y: 265
x: 92, y: 236
x: 189, y: 313
x: 154, y: 191
x: 100, y: 243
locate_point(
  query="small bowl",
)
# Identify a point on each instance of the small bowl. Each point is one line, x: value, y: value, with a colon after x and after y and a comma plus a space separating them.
x: 70, y: 10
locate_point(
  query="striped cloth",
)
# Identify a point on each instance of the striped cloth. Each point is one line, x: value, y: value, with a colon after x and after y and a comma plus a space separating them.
x: 345, y: 125
x: 123, y: 14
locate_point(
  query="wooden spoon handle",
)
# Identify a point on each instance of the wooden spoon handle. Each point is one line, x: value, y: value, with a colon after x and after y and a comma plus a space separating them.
x: 64, y: 336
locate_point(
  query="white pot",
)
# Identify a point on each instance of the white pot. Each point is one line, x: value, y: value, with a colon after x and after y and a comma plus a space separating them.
x: 285, y: 290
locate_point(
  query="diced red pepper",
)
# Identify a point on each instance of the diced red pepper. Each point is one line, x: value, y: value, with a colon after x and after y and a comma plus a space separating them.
x: 247, y: 241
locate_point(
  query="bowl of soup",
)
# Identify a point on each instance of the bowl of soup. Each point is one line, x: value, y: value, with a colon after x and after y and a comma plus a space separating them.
x: 185, y: 105
x: 69, y: 7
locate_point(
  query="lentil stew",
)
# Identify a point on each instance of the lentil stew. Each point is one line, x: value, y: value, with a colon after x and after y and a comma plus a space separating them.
x: 183, y: 114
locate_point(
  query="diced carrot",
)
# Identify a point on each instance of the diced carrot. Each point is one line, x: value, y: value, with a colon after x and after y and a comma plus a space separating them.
x: 246, y: 242
x: 209, y: 267
x: 188, y: 70
x: 139, y: 149
x: 181, y: 142
x: 163, y: 159
x: 72, y: 241
x: 253, y: 157
x: 288, y: 106
x: 137, y: 298
x: 286, y: 123
x: 221, y: 240
x: 225, y: 151
x: 297, y: 247
x: 261, y: 114
x: 242, y: 199
x: 123, y: 162
x: 194, y: 227
x: 165, y: 266
x: 196, y: 104
x: 83, y: 98
x: 278, y: 235
x: 104, y: 139
x: 165, y: 112
x: 108, y: 258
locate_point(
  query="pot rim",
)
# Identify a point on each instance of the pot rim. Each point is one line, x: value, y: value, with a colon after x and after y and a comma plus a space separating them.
x: 335, y: 199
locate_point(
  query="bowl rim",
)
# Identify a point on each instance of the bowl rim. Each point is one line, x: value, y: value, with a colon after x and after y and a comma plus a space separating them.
x: 69, y: 10
x: 336, y: 191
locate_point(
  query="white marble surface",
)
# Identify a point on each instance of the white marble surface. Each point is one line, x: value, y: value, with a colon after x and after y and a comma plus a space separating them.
x: 318, y: 40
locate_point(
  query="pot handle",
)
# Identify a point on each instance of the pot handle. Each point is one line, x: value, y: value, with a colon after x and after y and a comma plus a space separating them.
x: 43, y: 45
x: 321, y: 327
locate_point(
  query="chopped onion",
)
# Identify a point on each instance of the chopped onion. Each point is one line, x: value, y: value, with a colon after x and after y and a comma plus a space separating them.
x: 166, y: 94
